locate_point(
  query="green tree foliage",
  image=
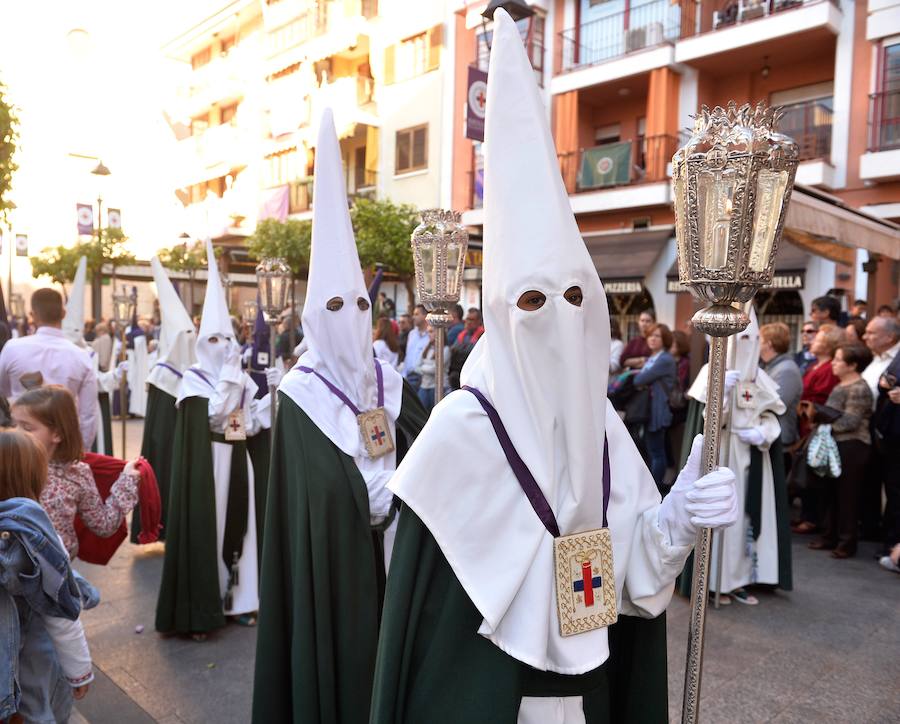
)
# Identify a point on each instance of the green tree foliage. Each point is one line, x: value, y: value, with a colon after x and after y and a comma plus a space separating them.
x: 383, y: 229
x: 58, y: 262
x: 9, y: 137
x: 289, y: 240
x: 106, y: 248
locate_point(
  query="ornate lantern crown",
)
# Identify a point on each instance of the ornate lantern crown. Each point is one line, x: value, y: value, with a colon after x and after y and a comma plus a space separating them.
x: 273, y: 278
x: 733, y: 182
x: 439, y: 251
x: 123, y: 307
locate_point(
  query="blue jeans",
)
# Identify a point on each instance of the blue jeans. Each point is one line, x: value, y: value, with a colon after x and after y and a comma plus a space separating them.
x: 426, y: 396
x: 656, y: 449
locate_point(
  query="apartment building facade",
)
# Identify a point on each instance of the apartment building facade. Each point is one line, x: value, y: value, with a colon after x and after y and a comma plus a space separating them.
x: 256, y: 76
x: 622, y: 79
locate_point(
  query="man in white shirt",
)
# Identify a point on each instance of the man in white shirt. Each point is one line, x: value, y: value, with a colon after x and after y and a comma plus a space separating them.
x: 416, y: 341
x: 48, y: 358
x: 882, y: 337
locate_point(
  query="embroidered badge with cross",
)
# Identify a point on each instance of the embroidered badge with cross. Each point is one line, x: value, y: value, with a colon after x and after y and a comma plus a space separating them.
x: 234, y: 426
x: 745, y: 395
x: 373, y: 426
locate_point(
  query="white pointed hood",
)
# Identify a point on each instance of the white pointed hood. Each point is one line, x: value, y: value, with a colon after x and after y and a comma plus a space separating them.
x: 545, y: 372
x: 339, y: 342
x: 743, y: 356
x: 73, y: 322
x: 215, y: 321
x: 177, y: 337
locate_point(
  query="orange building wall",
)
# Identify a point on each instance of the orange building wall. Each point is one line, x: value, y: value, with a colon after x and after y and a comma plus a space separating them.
x: 461, y: 193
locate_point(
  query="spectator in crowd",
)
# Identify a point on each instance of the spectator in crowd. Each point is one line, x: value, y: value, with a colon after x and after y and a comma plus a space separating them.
x: 456, y: 314
x: 659, y: 373
x: 882, y: 337
x: 858, y: 309
x: 887, y: 451
x: 855, y: 329
x: 680, y: 351
x: 636, y: 351
x: 825, y: 310
x: 804, y: 358
x: 818, y: 382
x: 427, y: 369
x: 886, y: 310
x: 616, y: 345
x: 416, y: 341
x: 103, y: 346
x: 462, y: 346
x: 48, y: 358
x: 90, y: 333
x: 385, y: 342
x: 774, y: 342
x: 853, y: 398
x: 404, y: 324
x: 386, y: 305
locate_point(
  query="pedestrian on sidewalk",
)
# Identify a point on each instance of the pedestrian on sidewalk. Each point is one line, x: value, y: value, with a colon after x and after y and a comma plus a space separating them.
x: 47, y: 661
x: 48, y: 413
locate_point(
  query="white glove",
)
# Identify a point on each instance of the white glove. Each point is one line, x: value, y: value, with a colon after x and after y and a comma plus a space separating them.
x: 698, y: 502
x: 273, y: 376
x: 750, y: 435
x: 248, y: 353
x: 121, y: 369
x: 732, y: 377
x: 380, y: 498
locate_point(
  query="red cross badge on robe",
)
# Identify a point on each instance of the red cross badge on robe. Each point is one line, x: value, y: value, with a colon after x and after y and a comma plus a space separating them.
x: 585, y: 581
x: 745, y: 395
x: 234, y: 426
x: 376, y: 435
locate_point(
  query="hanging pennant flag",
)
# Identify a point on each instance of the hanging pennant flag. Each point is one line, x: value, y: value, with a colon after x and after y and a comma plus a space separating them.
x: 85, y: 219
x: 114, y: 218
x: 476, y: 95
x: 21, y: 244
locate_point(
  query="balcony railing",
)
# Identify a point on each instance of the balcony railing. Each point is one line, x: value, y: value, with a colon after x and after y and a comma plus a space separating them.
x: 533, y: 48
x: 637, y: 28
x: 649, y: 24
x: 364, y: 182
x: 301, y: 192
x: 809, y: 124
x: 884, y: 120
x: 642, y: 160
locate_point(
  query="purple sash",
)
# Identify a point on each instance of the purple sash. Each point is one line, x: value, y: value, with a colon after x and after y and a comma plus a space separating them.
x: 341, y: 396
x: 526, y: 480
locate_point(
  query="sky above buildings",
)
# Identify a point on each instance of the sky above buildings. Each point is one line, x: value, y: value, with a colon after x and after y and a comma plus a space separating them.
x: 89, y: 78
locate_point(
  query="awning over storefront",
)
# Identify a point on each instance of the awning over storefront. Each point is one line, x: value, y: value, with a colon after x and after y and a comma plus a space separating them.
x: 824, y: 225
x: 623, y: 258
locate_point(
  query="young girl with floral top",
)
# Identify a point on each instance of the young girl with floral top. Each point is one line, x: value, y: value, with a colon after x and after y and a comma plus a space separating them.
x: 50, y: 415
x: 44, y: 639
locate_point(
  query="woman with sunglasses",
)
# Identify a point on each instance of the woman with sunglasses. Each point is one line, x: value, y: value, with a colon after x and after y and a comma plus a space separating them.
x: 805, y: 357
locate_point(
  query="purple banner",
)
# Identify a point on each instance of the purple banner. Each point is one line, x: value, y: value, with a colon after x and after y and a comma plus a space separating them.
x: 85, y: 219
x: 114, y: 218
x: 276, y: 204
x: 476, y: 96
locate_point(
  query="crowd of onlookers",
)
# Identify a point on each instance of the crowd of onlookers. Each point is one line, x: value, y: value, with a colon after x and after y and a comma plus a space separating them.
x: 842, y: 397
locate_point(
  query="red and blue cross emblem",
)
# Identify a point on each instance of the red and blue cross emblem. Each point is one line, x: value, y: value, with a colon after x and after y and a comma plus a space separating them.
x: 587, y: 583
x: 378, y: 436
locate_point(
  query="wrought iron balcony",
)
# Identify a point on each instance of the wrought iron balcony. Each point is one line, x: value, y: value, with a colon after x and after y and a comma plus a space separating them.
x: 884, y: 120
x: 642, y: 160
x: 809, y: 124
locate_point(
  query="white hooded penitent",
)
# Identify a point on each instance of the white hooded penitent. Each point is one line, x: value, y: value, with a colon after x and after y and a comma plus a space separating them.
x: 337, y: 320
x: 177, y: 338
x: 73, y: 322
x: 545, y: 371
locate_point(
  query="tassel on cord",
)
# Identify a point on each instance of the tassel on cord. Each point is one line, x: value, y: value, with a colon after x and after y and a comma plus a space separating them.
x: 233, y: 580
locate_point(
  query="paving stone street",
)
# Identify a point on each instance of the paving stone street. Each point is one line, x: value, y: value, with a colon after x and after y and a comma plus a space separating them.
x: 826, y: 652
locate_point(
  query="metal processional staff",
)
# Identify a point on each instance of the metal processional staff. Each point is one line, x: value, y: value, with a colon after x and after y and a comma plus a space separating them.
x: 733, y: 182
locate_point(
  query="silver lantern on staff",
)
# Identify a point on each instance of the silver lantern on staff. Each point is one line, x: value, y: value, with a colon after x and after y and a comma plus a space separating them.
x: 733, y: 182
x: 273, y: 278
x: 439, y: 245
x: 123, y: 310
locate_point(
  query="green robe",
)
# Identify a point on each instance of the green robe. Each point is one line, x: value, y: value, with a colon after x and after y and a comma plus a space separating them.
x: 693, y: 427
x: 322, y: 576
x: 189, y: 598
x: 156, y: 447
x: 434, y: 667
x: 106, y: 422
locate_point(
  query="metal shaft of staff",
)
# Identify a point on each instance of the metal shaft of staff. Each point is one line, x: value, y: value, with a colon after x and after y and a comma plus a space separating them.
x: 439, y: 337
x: 702, y: 549
x: 272, y: 389
x: 123, y: 394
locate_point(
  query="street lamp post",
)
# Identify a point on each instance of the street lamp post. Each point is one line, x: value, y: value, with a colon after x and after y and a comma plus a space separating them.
x: 11, y: 250
x: 439, y: 252
x: 273, y: 277
x: 96, y: 299
x: 733, y: 182
x: 123, y: 308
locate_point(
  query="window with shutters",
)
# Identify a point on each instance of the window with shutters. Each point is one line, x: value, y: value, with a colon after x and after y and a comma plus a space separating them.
x: 413, y: 56
x: 412, y: 149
